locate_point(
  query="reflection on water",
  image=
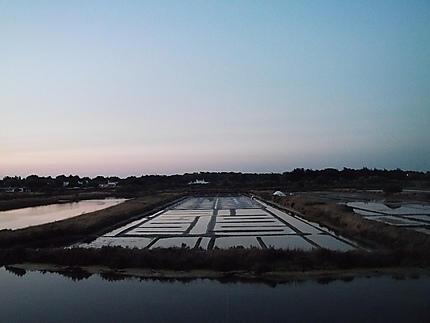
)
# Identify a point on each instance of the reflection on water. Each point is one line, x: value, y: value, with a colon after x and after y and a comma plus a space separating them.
x: 37, y: 297
x: 21, y: 218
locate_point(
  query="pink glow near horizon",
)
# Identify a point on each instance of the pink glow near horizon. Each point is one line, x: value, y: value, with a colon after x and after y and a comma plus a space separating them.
x: 125, y: 89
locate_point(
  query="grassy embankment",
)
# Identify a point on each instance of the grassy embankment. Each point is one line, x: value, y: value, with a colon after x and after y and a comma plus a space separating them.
x: 233, y: 259
x: 85, y: 226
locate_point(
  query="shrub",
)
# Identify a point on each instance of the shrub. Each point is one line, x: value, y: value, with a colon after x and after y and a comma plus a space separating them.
x: 391, y: 189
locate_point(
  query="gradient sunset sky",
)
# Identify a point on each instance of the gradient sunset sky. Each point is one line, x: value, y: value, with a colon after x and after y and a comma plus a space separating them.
x: 165, y: 87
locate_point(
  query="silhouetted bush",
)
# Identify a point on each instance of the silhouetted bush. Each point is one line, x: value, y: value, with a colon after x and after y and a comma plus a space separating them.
x: 225, y: 260
x: 391, y: 189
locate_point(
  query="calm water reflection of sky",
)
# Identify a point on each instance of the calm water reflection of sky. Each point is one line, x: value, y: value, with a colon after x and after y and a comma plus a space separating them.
x: 21, y: 218
x: 37, y: 297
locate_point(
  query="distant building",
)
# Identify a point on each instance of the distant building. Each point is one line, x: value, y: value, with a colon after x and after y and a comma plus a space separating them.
x: 108, y: 184
x: 15, y: 189
x: 198, y: 181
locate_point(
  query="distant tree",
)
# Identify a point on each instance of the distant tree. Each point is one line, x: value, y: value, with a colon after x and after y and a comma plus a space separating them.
x: 35, y: 183
x: 297, y: 174
x: 14, y: 181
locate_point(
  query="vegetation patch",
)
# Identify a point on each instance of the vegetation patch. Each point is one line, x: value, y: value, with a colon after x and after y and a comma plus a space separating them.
x: 252, y: 260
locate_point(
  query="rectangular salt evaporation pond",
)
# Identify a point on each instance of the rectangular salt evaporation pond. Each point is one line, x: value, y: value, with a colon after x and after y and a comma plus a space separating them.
x: 175, y: 242
x: 330, y: 242
x: 287, y: 242
x: 424, y: 219
x: 242, y: 212
x: 251, y: 229
x: 241, y: 219
x: 201, y: 225
x: 196, y: 203
x: 25, y: 217
x: 410, y: 209
x: 294, y: 222
x: 366, y: 213
x: 124, y: 242
x: 129, y: 226
x: 393, y: 220
x: 407, y: 209
x: 193, y: 204
x: 251, y: 212
x: 249, y: 224
x: 369, y: 206
x: 228, y: 242
x: 156, y: 231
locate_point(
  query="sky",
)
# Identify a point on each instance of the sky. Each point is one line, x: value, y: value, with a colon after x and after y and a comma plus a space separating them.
x: 129, y: 88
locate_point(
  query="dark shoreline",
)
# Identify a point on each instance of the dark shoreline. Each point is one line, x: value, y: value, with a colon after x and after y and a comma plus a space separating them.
x: 269, y: 278
x: 257, y: 261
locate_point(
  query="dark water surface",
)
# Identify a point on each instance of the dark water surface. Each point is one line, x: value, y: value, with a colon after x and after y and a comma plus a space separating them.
x: 37, y: 297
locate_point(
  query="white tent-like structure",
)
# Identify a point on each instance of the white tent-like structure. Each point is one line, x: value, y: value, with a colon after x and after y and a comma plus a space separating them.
x: 279, y: 193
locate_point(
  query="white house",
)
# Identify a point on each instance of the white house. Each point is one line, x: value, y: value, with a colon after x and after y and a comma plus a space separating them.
x: 198, y: 181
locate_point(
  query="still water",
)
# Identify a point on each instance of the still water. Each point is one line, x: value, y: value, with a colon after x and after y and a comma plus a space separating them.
x: 37, y: 297
x: 25, y: 217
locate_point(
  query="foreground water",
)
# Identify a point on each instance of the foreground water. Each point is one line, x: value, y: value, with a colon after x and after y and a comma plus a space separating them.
x: 37, y: 297
x: 25, y: 217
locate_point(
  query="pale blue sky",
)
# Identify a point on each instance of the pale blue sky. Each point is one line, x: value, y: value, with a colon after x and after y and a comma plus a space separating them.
x: 162, y: 87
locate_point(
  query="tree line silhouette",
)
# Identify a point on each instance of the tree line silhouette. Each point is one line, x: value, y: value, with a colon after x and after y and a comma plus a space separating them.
x: 298, y: 179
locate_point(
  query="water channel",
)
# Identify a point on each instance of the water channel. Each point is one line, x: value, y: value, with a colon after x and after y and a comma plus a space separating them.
x: 50, y: 297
